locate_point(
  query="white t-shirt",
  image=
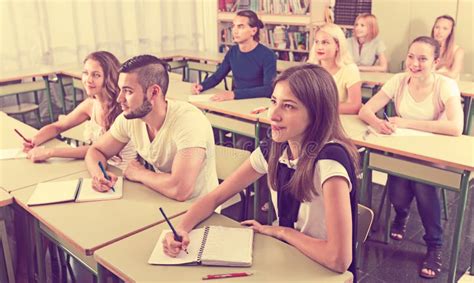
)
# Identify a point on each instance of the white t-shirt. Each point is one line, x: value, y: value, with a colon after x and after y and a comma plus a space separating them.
x: 185, y: 126
x: 346, y: 77
x: 311, y: 216
x: 422, y: 110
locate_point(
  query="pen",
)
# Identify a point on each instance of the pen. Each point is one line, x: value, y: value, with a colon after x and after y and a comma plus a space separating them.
x: 259, y: 110
x: 176, y: 236
x: 105, y: 174
x: 23, y: 137
x: 385, y: 116
x: 226, y: 275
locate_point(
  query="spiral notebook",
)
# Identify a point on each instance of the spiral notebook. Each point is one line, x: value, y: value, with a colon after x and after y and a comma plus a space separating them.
x: 211, y: 245
x: 79, y: 190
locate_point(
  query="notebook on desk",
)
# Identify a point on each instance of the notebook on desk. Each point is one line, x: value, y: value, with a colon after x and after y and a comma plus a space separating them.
x: 400, y: 132
x: 211, y: 245
x: 79, y: 190
x: 12, y: 153
x: 200, y: 98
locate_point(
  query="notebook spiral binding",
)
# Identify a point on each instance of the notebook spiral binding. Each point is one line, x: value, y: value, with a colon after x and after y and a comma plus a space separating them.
x: 203, y: 244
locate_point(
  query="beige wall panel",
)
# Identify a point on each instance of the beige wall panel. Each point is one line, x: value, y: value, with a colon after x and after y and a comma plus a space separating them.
x: 464, y: 35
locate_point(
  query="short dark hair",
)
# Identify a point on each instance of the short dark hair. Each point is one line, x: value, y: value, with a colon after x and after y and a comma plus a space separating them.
x: 150, y: 70
x: 430, y: 41
x: 254, y: 21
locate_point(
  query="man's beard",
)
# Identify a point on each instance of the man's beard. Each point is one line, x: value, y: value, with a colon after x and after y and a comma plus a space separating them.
x: 141, y: 111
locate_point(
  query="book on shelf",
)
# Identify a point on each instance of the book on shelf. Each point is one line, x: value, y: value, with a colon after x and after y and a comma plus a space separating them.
x: 79, y: 190
x: 211, y: 245
x: 295, y: 7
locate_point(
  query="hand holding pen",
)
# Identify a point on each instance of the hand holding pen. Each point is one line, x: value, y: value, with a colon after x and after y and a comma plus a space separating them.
x: 181, y: 241
x: 385, y: 126
x: 27, y: 143
x: 105, y: 181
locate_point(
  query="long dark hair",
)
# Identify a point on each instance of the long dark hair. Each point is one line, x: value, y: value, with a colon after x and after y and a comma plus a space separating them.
x: 316, y: 89
x: 254, y: 22
x: 110, y: 65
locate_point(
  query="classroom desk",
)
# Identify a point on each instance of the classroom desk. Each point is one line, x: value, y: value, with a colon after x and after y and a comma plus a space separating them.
x: 437, y: 160
x: 82, y: 228
x: 5, y: 198
x: 19, y: 173
x: 273, y: 260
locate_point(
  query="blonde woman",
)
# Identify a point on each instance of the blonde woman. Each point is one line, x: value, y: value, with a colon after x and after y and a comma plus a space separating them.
x: 367, y: 49
x: 330, y: 52
x: 451, y: 60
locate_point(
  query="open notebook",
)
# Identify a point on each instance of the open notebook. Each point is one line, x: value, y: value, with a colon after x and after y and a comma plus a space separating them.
x: 79, y: 190
x: 12, y: 153
x: 400, y: 132
x: 211, y: 245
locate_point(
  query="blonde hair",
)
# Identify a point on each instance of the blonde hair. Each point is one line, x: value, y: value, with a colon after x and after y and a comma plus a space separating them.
x: 343, y: 57
x: 447, y: 56
x: 371, y: 21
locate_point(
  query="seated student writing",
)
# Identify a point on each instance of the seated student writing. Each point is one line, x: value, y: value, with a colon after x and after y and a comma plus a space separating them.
x: 310, y: 165
x: 253, y: 65
x: 427, y: 101
x: 99, y: 77
x: 366, y: 47
x: 330, y: 52
x: 451, y: 58
x: 173, y: 136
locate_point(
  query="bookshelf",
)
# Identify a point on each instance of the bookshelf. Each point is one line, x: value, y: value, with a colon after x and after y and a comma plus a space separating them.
x: 289, y: 25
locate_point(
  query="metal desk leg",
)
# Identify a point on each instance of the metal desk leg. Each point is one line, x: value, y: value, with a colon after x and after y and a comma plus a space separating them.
x: 39, y: 254
x: 50, y: 100
x: 63, y: 94
x: 467, y: 115
x: 458, y: 228
x: 366, y: 178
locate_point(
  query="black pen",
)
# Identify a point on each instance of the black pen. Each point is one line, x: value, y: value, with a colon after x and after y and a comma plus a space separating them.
x: 176, y: 236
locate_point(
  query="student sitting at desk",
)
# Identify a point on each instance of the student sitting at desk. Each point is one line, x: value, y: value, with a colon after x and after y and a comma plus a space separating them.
x: 173, y: 136
x: 99, y: 76
x: 452, y: 56
x: 252, y: 64
x: 427, y: 101
x: 310, y: 165
x: 366, y: 48
x: 330, y: 51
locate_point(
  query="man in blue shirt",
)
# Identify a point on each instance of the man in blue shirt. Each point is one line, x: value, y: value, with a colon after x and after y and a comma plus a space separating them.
x: 253, y: 65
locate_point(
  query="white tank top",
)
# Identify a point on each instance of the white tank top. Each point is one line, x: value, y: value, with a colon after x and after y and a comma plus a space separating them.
x: 93, y: 131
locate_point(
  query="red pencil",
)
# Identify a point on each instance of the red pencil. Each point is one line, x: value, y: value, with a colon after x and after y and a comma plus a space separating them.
x: 226, y: 275
x: 25, y: 139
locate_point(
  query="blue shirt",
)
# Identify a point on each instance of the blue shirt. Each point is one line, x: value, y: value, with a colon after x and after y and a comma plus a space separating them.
x: 253, y: 72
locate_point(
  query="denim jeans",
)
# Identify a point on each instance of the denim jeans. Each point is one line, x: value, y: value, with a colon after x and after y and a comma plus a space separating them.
x: 401, y: 193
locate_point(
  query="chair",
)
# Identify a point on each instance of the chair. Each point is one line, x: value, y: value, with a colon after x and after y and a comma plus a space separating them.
x: 180, y: 64
x: 228, y: 159
x: 22, y: 108
x: 365, y: 217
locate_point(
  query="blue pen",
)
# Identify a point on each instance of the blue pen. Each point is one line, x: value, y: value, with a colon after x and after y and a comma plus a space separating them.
x: 105, y: 174
x: 385, y: 116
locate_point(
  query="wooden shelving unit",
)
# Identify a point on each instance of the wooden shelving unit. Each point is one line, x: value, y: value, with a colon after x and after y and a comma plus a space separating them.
x: 290, y: 34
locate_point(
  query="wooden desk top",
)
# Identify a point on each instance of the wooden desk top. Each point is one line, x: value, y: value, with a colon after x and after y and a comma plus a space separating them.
x: 36, y: 71
x: 89, y: 226
x: 273, y: 260
x: 19, y: 173
x: 236, y: 108
x: 455, y: 152
x: 5, y: 198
